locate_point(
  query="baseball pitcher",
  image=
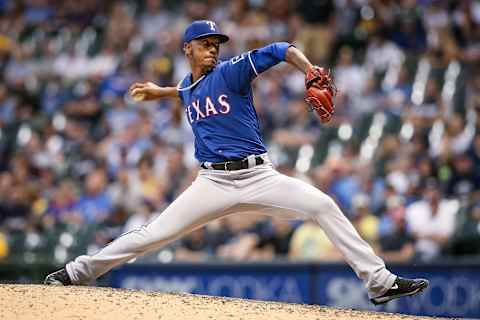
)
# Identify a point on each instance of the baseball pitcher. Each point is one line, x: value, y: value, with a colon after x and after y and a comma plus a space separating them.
x: 236, y: 174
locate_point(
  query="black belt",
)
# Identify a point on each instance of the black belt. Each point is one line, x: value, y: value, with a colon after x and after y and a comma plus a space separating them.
x: 233, y: 165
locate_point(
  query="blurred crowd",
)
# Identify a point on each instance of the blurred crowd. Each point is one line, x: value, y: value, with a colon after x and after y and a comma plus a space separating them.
x: 81, y: 162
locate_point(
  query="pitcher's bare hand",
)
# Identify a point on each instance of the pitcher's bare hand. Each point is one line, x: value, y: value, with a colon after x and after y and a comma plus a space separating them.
x: 148, y: 91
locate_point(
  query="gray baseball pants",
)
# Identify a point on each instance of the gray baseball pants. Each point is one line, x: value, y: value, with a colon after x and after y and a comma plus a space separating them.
x: 216, y: 193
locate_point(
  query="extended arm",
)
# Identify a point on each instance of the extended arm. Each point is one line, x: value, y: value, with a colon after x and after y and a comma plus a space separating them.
x: 320, y: 89
x: 297, y: 59
x: 150, y: 91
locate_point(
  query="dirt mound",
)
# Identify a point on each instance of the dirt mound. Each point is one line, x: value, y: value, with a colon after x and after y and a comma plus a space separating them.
x: 25, y: 302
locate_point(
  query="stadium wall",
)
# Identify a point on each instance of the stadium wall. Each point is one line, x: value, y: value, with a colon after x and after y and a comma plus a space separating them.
x: 454, y: 288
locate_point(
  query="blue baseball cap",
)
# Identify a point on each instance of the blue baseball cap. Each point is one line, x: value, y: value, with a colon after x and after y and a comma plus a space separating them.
x: 203, y: 28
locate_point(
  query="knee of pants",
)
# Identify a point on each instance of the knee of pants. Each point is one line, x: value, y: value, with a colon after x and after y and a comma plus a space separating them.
x: 325, y: 205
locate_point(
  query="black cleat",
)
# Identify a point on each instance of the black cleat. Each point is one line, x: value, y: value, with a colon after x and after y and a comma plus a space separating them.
x: 401, y: 288
x: 58, y: 278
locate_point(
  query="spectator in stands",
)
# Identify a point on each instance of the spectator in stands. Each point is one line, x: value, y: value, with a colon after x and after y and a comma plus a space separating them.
x: 61, y: 208
x: 7, y: 106
x: 431, y: 221
x: 350, y: 76
x: 144, y: 184
x: 119, y: 116
x: 15, y: 208
x: 194, y: 247
x: 119, y: 190
x: 248, y: 232
x: 364, y: 220
x: 382, y: 53
x: 474, y: 153
x: 95, y: 205
x: 463, y: 179
x: 396, y: 243
x: 309, y: 243
x: 153, y: 19
x: 203, y: 243
x: 466, y: 238
x: 275, y: 243
x: 112, y: 227
x: 345, y: 182
x: 367, y: 102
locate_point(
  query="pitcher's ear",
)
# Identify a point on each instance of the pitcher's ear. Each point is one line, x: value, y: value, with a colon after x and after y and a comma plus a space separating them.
x: 187, y: 49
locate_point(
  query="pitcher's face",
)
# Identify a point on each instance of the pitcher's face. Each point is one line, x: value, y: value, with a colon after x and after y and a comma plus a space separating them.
x: 203, y: 52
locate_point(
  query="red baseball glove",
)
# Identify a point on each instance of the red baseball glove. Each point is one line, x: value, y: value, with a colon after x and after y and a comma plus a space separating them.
x: 320, y: 90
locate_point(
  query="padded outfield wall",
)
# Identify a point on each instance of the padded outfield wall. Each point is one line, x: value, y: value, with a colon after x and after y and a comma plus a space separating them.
x: 454, y: 288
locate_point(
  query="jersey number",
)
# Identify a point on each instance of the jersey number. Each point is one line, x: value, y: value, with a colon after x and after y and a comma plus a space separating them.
x: 238, y: 58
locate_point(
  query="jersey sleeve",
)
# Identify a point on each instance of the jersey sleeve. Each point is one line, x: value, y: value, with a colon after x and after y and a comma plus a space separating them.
x: 241, y: 70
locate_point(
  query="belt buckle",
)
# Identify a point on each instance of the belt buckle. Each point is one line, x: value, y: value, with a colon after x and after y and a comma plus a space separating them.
x: 225, y: 164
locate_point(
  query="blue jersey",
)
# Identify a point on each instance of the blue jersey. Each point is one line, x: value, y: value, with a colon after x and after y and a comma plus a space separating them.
x: 220, y: 109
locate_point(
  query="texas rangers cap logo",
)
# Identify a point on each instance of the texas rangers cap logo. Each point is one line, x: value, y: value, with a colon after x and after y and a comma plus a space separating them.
x: 212, y: 25
x: 203, y: 28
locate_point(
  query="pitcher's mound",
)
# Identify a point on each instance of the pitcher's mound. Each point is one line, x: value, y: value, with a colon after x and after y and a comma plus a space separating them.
x: 35, y: 302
